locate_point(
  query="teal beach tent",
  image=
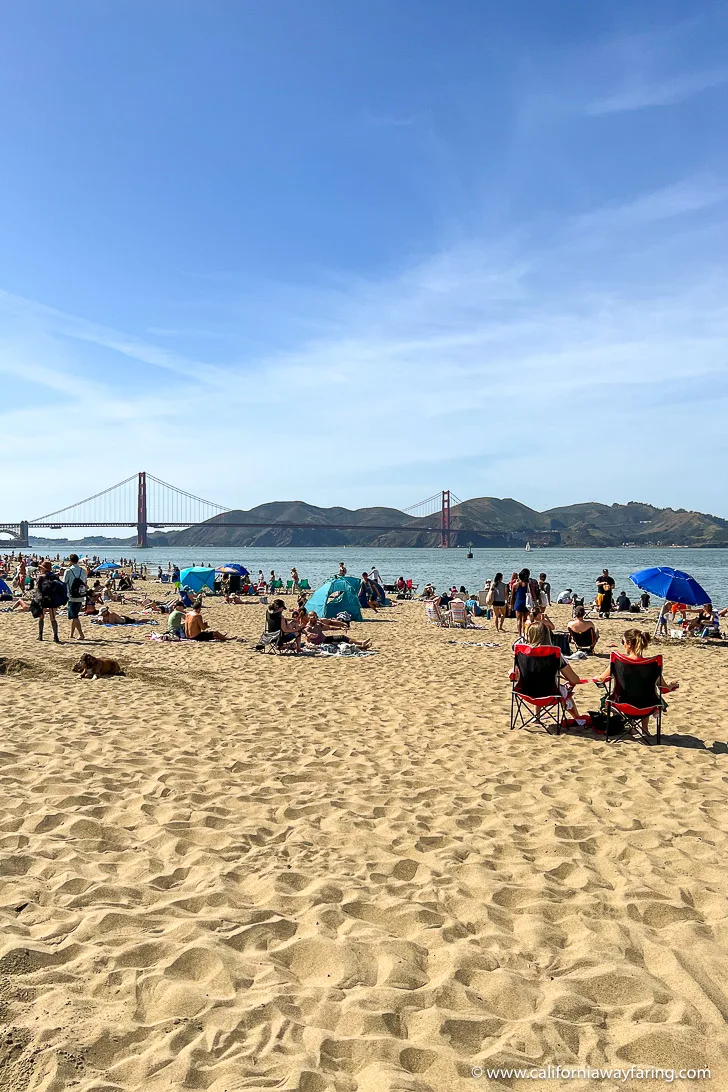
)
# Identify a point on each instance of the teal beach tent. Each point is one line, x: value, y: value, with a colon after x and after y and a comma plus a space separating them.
x: 333, y: 597
x: 197, y: 578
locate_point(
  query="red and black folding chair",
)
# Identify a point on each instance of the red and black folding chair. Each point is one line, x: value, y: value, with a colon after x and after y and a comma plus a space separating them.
x: 535, y: 694
x: 633, y: 693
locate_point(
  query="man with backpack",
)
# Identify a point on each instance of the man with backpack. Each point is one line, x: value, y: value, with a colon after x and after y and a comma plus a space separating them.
x: 76, y: 581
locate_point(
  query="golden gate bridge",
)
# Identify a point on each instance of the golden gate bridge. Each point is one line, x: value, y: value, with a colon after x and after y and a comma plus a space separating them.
x: 145, y: 502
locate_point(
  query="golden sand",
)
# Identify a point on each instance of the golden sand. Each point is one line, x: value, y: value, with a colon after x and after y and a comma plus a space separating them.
x: 230, y: 870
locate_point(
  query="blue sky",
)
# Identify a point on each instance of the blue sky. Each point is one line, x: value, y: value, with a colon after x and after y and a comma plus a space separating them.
x: 353, y: 254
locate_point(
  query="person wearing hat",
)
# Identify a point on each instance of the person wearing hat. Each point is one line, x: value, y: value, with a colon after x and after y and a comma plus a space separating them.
x: 48, y: 594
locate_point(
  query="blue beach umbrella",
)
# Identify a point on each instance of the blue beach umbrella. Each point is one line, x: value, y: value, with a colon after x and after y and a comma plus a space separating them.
x: 671, y: 584
x: 107, y: 565
x: 237, y: 568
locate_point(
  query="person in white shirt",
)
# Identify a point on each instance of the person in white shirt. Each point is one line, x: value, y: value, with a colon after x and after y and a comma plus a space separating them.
x: 76, y: 581
x: 565, y: 596
x: 375, y: 577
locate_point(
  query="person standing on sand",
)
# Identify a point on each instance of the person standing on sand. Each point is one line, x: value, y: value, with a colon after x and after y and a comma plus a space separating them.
x: 76, y: 581
x: 605, y: 590
x: 518, y: 601
x: 498, y: 595
x: 294, y: 578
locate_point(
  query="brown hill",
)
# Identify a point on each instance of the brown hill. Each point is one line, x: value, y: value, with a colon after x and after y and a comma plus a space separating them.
x: 484, y: 521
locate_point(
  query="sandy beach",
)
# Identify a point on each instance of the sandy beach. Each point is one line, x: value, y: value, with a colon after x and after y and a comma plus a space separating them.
x: 236, y: 871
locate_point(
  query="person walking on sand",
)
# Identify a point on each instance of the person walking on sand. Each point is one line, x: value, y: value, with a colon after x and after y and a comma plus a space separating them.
x: 294, y: 578
x: 50, y: 593
x: 76, y: 581
x: 20, y: 576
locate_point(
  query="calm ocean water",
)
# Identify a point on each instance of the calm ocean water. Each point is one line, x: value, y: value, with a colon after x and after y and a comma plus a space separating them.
x: 576, y: 569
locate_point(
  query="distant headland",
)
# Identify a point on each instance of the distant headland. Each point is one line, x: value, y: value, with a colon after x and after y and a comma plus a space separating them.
x: 483, y: 522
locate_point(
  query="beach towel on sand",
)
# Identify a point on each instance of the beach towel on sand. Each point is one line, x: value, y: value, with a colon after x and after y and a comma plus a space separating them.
x: 476, y: 644
x: 120, y: 625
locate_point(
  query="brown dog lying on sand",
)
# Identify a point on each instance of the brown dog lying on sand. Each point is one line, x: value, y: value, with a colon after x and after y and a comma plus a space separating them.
x: 92, y: 668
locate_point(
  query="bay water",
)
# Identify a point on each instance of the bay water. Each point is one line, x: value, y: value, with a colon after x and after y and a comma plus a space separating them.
x: 565, y: 568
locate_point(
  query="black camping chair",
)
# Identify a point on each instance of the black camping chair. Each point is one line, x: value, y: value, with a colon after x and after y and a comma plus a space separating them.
x: 632, y: 693
x: 535, y: 694
x: 583, y: 642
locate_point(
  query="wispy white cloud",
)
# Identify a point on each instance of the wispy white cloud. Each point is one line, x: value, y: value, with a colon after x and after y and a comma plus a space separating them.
x: 81, y: 329
x: 473, y: 364
x: 683, y: 198
x: 668, y: 92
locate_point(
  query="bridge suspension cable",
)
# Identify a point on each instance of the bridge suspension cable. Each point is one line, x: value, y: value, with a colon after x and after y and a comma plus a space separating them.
x: 168, y: 504
x: 425, y: 507
x: 111, y: 506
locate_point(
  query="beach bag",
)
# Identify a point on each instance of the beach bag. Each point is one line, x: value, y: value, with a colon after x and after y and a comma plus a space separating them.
x: 58, y: 594
x: 343, y: 616
x: 35, y: 607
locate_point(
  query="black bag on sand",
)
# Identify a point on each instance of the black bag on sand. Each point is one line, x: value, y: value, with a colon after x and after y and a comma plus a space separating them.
x: 35, y: 608
x: 600, y: 719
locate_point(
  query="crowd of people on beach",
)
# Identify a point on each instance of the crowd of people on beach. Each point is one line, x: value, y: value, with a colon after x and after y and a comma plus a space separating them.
x: 45, y: 587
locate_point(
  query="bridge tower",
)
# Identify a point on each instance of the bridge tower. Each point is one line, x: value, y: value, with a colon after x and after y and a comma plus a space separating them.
x: 142, y: 510
x: 23, y: 536
x: 445, y: 519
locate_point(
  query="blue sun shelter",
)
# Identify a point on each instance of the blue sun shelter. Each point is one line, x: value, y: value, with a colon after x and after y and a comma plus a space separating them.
x: 197, y: 578
x: 332, y: 598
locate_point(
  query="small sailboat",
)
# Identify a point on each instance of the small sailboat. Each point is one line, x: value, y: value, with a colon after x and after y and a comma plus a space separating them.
x: 528, y: 545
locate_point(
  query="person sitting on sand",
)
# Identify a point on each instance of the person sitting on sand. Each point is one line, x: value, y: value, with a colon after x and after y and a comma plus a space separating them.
x: 582, y: 631
x: 367, y: 593
x: 197, y: 629
x: 623, y: 603
x: 314, y: 633
x: 342, y: 569
x: 176, y: 620
x: 538, y: 614
x: 22, y: 605
x: 635, y: 643
x: 279, y: 631
x: 707, y: 619
x: 537, y: 635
